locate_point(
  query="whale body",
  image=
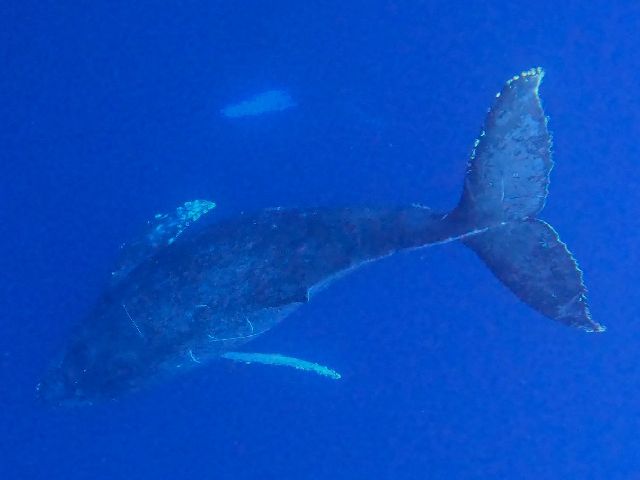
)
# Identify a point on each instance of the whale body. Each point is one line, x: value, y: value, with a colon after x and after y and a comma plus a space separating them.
x: 187, y: 293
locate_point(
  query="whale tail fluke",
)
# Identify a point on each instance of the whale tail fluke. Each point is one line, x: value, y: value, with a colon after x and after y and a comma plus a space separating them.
x: 505, y: 189
x: 529, y: 258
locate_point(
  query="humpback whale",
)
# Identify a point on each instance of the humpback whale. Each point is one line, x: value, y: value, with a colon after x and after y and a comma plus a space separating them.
x: 190, y: 291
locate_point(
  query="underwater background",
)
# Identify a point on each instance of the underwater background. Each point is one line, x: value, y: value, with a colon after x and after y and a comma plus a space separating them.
x: 114, y: 111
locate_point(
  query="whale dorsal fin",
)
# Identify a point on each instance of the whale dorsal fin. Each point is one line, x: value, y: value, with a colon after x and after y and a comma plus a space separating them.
x: 162, y: 230
x: 283, y: 361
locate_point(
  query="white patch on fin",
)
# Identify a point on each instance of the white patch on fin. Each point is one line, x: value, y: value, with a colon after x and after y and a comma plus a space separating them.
x: 169, y: 227
x: 162, y: 231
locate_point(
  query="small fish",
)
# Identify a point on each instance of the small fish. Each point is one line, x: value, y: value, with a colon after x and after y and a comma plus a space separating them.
x: 189, y: 291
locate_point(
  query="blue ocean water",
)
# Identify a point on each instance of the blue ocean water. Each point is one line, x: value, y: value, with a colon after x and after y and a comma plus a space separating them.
x: 111, y: 113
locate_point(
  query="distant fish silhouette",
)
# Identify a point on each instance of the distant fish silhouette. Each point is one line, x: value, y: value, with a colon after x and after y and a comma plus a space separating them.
x: 186, y: 294
x: 269, y: 101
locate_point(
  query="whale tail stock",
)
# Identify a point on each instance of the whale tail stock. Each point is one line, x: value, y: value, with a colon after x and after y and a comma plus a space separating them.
x: 505, y: 189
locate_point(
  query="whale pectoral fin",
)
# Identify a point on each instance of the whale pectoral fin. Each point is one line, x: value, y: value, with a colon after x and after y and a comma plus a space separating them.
x: 161, y: 231
x: 283, y: 361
